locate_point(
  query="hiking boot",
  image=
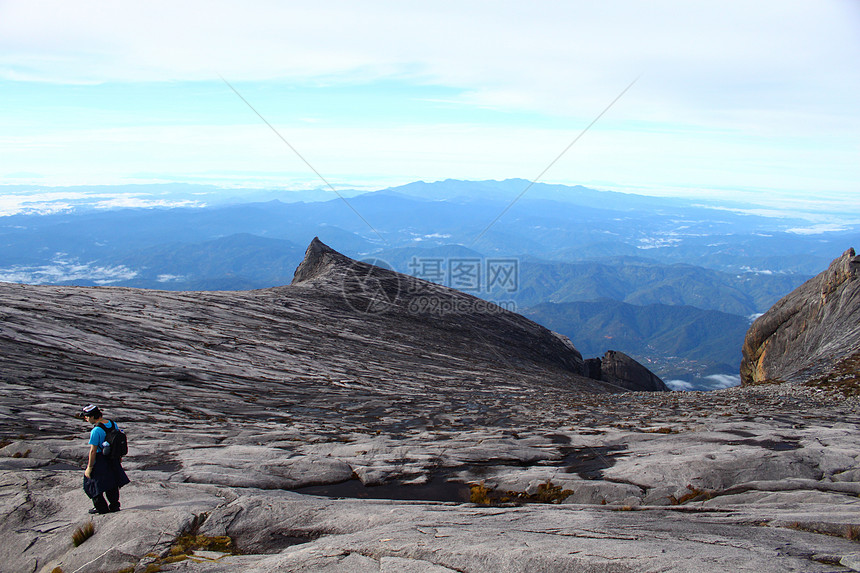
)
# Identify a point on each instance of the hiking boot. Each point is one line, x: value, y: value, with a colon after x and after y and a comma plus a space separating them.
x: 94, y: 511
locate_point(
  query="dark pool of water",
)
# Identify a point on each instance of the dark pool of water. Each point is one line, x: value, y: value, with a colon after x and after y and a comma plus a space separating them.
x: 773, y: 445
x: 62, y: 466
x: 589, y: 462
x: 437, y: 489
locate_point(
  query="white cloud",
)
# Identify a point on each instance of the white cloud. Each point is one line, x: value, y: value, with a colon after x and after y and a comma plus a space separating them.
x: 831, y: 227
x: 170, y: 278
x: 718, y: 381
x: 64, y: 270
x: 389, y: 155
x: 680, y: 385
x: 752, y: 96
x: 712, y: 382
x: 737, y: 60
x: 47, y: 201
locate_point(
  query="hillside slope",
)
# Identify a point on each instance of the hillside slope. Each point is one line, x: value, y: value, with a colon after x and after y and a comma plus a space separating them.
x: 343, y: 334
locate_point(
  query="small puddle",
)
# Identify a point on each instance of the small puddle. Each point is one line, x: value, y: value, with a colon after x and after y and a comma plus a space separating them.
x: 741, y: 433
x: 62, y: 466
x: 437, y: 489
x: 278, y: 541
x: 589, y: 462
x: 558, y: 439
x: 772, y: 445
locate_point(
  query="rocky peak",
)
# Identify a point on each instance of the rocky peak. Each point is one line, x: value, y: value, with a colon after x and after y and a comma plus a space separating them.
x: 391, y: 300
x: 622, y: 371
x: 808, y: 331
x: 319, y: 257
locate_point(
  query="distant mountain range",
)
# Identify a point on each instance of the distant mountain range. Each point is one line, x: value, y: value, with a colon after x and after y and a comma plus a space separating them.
x: 567, y: 244
x: 644, y: 282
x: 636, y: 280
x: 549, y: 222
x: 676, y: 342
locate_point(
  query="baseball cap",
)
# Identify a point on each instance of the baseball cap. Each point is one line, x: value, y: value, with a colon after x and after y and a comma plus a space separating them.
x: 90, y: 410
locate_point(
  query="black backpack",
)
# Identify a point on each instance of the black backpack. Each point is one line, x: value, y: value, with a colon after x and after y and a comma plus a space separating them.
x: 115, y: 445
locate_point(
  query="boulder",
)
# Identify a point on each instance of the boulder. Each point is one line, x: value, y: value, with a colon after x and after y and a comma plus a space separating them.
x: 623, y: 372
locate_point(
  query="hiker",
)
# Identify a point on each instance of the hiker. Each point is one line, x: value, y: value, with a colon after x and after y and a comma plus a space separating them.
x: 104, y: 475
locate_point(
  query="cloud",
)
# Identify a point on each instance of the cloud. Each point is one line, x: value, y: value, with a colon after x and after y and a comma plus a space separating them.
x: 760, y: 96
x: 719, y: 381
x: 47, y: 201
x: 67, y: 270
x: 731, y: 59
x: 712, y: 382
x: 831, y: 227
x: 385, y: 155
x: 171, y: 278
x: 680, y: 385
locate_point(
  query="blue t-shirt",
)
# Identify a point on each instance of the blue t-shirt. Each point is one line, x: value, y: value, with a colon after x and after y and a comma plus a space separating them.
x: 97, y: 435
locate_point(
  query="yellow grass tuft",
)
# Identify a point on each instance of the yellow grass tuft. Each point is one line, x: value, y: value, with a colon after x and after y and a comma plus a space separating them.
x: 480, y: 494
x: 83, y: 533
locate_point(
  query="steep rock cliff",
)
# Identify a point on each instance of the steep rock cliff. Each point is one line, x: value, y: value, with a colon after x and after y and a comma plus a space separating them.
x: 810, y: 330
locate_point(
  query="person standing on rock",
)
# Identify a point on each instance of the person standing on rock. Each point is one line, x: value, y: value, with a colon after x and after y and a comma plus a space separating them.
x: 103, y: 476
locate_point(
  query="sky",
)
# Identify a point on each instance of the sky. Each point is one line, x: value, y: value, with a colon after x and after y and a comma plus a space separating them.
x: 740, y: 100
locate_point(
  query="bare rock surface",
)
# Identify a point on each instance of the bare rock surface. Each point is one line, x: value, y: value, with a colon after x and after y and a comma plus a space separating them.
x: 627, y: 512
x: 745, y: 479
x: 811, y: 332
x: 320, y: 435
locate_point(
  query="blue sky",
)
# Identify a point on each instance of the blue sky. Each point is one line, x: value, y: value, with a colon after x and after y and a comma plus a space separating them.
x: 755, y: 101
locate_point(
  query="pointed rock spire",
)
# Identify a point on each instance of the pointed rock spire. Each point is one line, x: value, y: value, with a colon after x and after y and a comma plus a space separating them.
x: 319, y: 258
